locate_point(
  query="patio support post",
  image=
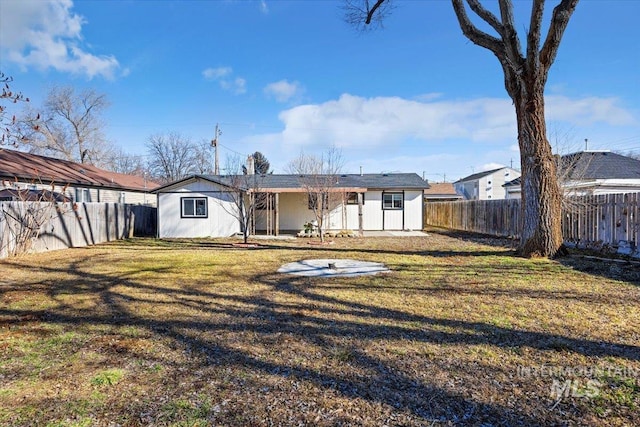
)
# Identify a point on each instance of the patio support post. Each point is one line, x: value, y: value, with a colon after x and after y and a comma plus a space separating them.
x: 276, y: 214
x: 360, y: 219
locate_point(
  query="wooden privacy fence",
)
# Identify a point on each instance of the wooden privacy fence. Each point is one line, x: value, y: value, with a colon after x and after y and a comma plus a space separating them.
x: 607, y: 220
x: 494, y: 217
x: 43, y: 226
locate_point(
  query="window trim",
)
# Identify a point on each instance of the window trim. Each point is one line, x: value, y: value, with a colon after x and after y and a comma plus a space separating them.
x: 393, y: 208
x: 195, y: 199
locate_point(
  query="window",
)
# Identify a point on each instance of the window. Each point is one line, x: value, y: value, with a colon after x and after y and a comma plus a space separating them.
x: 83, y: 195
x: 313, y: 200
x: 392, y: 201
x: 194, y: 207
x: 352, y: 198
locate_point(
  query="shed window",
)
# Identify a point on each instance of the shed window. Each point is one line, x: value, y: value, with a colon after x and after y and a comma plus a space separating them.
x: 194, y: 207
x: 392, y: 201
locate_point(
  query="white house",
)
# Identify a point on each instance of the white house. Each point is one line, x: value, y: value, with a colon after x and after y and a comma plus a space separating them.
x: 486, y: 185
x: 202, y: 205
x: 592, y: 173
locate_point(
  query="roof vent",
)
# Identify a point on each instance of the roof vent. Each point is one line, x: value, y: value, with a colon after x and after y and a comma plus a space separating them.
x: 82, y: 171
x: 385, y: 174
x: 343, y: 176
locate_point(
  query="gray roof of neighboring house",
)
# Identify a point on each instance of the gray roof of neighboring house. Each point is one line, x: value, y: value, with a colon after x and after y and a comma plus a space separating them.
x: 389, y: 181
x: 600, y: 165
x: 480, y: 175
x: 594, y: 165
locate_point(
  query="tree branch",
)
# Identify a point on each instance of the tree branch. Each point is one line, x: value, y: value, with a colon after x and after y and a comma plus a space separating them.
x: 510, y: 35
x: 372, y: 11
x: 486, y: 15
x: 533, y: 38
x: 478, y: 37
x: 559, y: 21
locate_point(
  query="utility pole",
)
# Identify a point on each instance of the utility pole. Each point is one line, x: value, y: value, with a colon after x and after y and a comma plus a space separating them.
x: 214, y: 144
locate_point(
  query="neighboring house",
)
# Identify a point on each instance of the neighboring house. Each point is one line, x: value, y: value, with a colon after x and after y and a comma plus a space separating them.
x: 486, y: 185
x: 441, y: 192
x: 202, y: 205
x: 592, y: 173
x: 69, y: 180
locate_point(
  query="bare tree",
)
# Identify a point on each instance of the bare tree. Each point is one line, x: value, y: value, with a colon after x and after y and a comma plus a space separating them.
x: 22, y: 221
x: 319, y: 176
x: 202, y: 158
x: 122, y: 162
x: 14, y: 130
x: 245, y: 193
x: 171, y: 157
x: 525, y: 77
x: 72, y: 127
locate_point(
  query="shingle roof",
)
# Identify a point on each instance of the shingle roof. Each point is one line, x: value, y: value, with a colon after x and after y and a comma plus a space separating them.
x: 389, y: 181
x: 441, y: 189
x: 479, y: 175
x: 369, y: 181
x: 599, y: 165
x: 32, y: 167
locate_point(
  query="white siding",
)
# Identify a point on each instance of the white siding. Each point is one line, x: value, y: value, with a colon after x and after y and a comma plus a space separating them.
x: 220, y: 221
x: 413, y: 210
x: 372, y: 210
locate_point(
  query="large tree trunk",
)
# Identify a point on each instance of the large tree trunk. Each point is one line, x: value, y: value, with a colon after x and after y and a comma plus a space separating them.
x: 541, y: 195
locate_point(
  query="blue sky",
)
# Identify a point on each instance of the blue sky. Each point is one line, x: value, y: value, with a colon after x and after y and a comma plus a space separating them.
x: 284, y: 76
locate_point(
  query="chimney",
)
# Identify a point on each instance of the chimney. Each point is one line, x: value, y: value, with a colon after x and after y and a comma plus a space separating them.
x: 250, y: 165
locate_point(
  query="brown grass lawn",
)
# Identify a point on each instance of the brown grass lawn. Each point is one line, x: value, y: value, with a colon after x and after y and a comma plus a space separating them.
x: 462, y: 332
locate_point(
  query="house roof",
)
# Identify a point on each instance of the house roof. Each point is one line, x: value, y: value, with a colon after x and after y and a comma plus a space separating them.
x: 513, y: 183
x: 599, y: 165
x: 442, y: 189
x: 272, y: 182
x: 585, y: 165
x: 16, y: 165
x: 480, y: 175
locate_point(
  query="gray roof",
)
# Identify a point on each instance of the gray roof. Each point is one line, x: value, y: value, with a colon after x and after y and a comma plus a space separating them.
x: 391, y: 181
x: 369, y: 181
x: 599, y: 165
x: 594, y: 165
x: 479, y: 175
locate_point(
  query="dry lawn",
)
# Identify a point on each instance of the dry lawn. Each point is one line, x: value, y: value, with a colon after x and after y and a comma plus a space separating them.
x: 198, y: 333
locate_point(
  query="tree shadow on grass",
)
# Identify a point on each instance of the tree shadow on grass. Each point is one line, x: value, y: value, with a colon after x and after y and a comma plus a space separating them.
x: 300, y: 311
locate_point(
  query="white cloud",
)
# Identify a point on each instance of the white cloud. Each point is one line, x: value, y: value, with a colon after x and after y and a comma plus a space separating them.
x: 263, y: 7
x: 47, y: 34
x: 283, y: 90
x: 490, y: 166
x: 586, y: 111
x: 216, y: 73
x: 224, y: 76
x: 353, y: 121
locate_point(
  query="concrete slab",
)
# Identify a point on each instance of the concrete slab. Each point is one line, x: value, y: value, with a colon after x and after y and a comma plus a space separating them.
x: 333, y: 268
